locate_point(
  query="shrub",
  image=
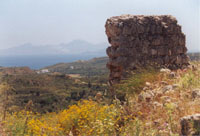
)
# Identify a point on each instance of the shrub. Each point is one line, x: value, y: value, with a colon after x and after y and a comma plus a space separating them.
x: 136, y: 82
x: 85, y: 118
x: 189, y: 79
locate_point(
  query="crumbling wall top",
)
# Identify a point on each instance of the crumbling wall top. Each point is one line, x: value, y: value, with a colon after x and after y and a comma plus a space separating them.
x: 138, y: 40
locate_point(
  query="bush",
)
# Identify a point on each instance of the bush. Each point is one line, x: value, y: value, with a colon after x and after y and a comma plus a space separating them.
x: 85, y: 118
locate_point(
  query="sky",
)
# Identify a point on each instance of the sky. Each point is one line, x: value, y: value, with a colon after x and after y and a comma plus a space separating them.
x: 43, y: 22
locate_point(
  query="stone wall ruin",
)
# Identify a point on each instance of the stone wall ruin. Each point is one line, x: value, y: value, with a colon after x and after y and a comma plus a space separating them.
x: 139, y: 41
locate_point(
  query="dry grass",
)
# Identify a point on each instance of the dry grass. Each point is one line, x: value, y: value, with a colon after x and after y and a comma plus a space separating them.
x: 159, y: 115
x: 163, y: 112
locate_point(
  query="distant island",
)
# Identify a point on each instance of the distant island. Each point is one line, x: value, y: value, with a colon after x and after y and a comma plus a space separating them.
x: 36, y: 57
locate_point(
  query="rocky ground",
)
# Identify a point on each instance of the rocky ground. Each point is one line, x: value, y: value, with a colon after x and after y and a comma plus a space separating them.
x: 164, y: 103
x: 159, y: 103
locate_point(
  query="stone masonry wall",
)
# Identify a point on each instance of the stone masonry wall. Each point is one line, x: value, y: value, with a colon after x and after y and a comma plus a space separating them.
x: 139, y: 41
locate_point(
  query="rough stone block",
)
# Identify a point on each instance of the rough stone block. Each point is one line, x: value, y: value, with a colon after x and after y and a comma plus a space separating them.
x: 190, y: 125
x: 138, y: 41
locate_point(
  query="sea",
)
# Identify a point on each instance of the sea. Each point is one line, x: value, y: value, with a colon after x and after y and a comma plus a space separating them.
x: 40, y: 61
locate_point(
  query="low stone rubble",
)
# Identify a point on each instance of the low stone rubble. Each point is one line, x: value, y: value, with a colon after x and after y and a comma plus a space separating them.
x: 190, y: 125
x: 195, y: 93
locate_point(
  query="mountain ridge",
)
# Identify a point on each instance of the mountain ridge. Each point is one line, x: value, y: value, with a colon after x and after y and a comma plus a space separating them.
x: 72, y: 48
x: 37, y: 57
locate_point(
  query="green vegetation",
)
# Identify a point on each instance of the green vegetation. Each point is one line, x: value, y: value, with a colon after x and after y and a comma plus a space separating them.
x: 55, y: 104
x: 55, y: 90
x: 93, y: 67
x: 137, y: 80
x: 49, y: 92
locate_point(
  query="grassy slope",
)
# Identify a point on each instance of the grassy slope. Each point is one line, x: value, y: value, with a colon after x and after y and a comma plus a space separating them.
x: 48, y: 92
x: 51, y: 92
x: 149, y: 109
x: 159, y: 110
x: 93, y: 67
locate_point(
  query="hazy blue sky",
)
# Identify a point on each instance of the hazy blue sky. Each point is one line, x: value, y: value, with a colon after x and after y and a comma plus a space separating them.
x: 57, y: 21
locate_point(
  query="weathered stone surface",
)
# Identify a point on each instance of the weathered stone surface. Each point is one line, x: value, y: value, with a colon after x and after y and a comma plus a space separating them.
x: 138, y: 41
x: 145, y: 96
x: 195, y: 93
x: 190, y: 125
x: 167, y: 88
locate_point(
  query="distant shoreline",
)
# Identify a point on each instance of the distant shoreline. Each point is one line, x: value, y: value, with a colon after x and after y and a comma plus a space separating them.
x: 38, y: 62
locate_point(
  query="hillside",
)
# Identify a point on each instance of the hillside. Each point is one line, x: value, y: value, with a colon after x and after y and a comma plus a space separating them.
x: 15, y: 70
x: 67, y: 82
x: 96, y: 66
x: 55, y: 90
x: 48, y: 92
x: 152, y: 103
x: 93, y: 67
